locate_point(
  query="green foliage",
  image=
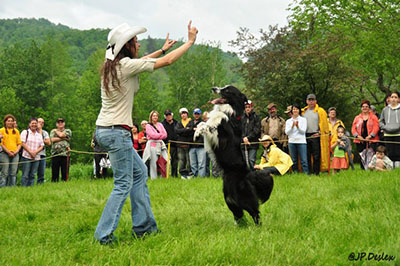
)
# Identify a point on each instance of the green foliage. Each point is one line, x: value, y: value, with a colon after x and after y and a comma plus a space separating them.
x: 283, y: 67
x: 308, y: 220
x: 193, y: 77
x: 371, y: 29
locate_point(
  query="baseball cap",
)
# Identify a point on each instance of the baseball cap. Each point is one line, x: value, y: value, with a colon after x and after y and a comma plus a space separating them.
x: 168, y: 112
x: 196, y: 111
x: 182, y: 110
x: 60, y: 120
x: 249, y: 102
x: 311, y: 96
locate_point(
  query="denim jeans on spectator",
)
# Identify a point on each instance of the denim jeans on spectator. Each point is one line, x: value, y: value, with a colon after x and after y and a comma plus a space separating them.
x: 41, y: 170
x: 198, y: 161
x: 130, y: 176
x: 299, y: 149
x: 184, y: 161
x: 29, y: 169
x: 252, y: 153
x: 8, y: 176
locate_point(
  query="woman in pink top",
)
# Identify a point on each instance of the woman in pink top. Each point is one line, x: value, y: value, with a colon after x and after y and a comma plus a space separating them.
x: 155, y: 147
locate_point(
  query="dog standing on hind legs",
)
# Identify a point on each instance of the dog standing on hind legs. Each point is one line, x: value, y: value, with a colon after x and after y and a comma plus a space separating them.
x: 244, y: 189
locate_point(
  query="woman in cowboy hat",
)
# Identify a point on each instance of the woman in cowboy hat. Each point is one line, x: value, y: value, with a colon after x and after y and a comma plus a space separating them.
x: 273, y: 160
x: 119, y: 83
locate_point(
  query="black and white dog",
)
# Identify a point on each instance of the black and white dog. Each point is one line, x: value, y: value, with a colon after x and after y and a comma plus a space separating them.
x: 243, y: 188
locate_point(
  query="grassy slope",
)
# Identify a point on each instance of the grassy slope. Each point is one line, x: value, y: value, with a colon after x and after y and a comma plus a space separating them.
x: 308, y: 220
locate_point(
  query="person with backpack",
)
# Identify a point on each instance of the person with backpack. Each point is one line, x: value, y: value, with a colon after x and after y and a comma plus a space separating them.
x: 32, y: 143
x: 9, y: 156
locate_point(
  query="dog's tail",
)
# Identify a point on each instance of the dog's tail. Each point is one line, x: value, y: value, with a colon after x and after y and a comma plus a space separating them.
x: 263, y: 184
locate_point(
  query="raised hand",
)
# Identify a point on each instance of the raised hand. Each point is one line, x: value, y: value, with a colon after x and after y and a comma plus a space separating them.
x: 192, y: 32
x: 168, y: 43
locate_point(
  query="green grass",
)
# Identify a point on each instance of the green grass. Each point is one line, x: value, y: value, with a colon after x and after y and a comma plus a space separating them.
x: 308, y: 220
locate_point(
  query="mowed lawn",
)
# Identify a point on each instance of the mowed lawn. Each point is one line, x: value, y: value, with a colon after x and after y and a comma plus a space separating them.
x: 317, y: 220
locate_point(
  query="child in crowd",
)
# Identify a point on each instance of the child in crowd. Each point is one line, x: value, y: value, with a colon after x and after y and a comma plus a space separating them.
x: 273, y: 160
x: 339, y: 151
x: 380, y: 162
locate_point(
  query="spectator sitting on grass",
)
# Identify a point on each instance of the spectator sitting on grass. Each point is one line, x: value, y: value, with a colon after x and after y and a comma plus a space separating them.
x: 380, y: 162
x: 273, y: 160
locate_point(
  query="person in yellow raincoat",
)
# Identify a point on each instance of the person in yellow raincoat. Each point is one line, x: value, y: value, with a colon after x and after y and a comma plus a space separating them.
x: 273, y: 160
x: 333, y: 124
x: 317, y: 136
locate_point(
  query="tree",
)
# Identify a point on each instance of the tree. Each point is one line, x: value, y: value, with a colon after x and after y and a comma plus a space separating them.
x: 283, y: 67
x: 193, y: 76
x: 370, y: 26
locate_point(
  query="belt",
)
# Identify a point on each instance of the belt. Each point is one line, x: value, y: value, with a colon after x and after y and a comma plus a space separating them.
x: 113, y: 127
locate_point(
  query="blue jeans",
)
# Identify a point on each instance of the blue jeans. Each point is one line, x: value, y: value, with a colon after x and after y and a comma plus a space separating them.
x: 28, y: 172
x: 41, y: 170
x: 8, y: 176
x: 299, y: 149
x: 198, y: 161
x: 130, y: 176
x: 252, y: 153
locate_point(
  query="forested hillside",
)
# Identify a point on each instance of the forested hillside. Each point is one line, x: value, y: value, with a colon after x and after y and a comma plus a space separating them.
x: 52, y: 71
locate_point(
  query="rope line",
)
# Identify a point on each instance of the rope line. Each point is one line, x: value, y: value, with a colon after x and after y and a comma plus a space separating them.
x: 188, y: 143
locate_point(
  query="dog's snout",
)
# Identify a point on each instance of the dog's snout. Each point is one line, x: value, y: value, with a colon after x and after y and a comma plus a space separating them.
x: 216, y: 90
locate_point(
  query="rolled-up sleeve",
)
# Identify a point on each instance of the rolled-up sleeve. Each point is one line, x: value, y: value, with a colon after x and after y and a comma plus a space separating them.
x: 136, y: 66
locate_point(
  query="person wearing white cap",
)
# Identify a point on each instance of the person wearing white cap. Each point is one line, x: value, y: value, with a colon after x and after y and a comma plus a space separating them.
x: 119, y: 83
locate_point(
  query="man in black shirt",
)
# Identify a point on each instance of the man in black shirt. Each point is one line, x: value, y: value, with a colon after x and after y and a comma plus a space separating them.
x: 169, y: 124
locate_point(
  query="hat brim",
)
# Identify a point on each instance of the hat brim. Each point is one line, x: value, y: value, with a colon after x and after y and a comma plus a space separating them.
x: 126, y: 36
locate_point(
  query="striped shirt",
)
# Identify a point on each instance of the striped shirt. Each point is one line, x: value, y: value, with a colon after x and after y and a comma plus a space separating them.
x: 34, y: 141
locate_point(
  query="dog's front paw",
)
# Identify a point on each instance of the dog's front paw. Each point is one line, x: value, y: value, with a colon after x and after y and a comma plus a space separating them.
x: 200, y: 130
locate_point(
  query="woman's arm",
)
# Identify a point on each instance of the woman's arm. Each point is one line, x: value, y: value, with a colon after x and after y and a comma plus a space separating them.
x: 302, y: 127
x: 163, y: 132
x: 173, y: 56
x: 167, y: 45
x: 375, y: 126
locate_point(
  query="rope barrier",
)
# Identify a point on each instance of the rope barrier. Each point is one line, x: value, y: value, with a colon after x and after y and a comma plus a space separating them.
x: 189, y: 143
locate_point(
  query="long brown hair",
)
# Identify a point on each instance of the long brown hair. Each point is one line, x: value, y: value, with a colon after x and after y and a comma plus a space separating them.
x: 110, y: 67
x: 6, y: 117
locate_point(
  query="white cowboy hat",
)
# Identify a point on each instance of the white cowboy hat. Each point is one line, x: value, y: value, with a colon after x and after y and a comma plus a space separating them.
x: 120, y: 35
x: 266, y: 138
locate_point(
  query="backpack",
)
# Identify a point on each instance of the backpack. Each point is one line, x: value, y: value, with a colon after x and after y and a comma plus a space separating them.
x: 26, y: 139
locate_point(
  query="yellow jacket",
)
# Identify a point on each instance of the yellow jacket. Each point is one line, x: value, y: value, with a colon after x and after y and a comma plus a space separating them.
x: 277, y: 158
x: 333, y: 130
x: 324, y: 140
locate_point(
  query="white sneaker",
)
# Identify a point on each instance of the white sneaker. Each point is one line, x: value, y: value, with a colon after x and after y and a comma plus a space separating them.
x: 183, y: 177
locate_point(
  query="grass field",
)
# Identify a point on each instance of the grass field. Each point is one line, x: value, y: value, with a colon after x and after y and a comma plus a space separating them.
x: 317, y: 220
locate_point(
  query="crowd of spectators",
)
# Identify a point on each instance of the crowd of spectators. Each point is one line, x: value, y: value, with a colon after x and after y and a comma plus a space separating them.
x: 28, y: 150
x: 315, y: 140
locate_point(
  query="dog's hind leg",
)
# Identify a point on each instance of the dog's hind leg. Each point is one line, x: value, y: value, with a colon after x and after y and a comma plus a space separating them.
x: 256, y: 218
x: 238, y: 214
x: 252, y: 208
